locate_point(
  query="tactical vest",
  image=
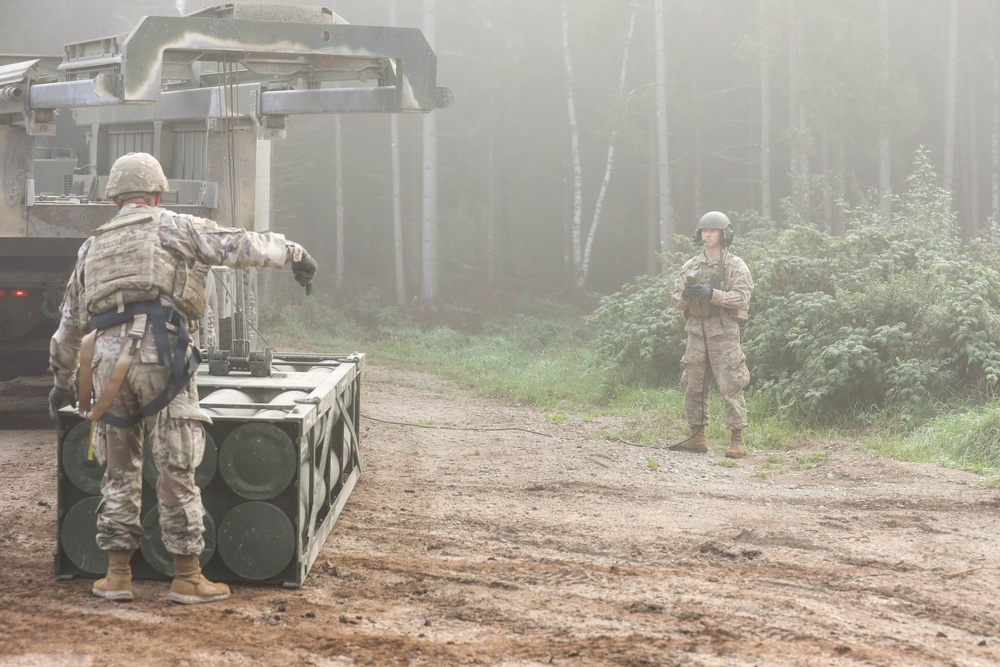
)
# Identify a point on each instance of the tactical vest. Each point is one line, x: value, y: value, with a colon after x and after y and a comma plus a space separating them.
x: 705, y: 276
x: 126, y: 264
x: 718, y: 278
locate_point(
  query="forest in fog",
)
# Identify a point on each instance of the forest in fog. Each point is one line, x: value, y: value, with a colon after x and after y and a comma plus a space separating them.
x: 585, y: 134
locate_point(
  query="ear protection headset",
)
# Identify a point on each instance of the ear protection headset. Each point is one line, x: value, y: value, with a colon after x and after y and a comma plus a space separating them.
x: 727, y: 236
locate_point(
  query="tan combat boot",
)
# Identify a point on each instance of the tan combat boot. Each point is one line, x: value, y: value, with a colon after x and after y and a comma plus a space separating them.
x: 117, y: 585
x: 696, y: 443
x: 737, y: 448
x: 189, y: 586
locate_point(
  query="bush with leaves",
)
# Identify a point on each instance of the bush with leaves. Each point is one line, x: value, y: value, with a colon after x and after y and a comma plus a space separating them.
x: 641, y: 335
x: 895, y: 315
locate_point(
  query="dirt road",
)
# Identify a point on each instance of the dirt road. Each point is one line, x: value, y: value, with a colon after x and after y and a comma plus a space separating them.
x: 546, y: 544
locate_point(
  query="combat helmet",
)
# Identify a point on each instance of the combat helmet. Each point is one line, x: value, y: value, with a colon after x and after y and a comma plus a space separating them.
x: 135, y: 172
x: 715, y: 220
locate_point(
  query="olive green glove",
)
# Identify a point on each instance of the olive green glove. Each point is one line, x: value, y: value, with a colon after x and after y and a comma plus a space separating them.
x: 698, y: 292
x: 58, y: 398
x: 304, y: 269
x: 303, y: 265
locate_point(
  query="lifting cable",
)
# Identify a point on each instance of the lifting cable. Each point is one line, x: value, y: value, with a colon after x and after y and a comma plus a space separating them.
x: 228, y: 69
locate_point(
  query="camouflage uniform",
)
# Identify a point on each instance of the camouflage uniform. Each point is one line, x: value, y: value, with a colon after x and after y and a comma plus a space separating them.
x: 713, y: 330
x: 175, y: 434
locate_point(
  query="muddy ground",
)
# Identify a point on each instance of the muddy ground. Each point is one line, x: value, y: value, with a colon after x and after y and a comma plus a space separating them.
x: 546, y: 544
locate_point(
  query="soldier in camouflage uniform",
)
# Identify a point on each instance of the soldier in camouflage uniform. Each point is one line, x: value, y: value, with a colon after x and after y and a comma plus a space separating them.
x: 137, y: 287
x: 713, y: 291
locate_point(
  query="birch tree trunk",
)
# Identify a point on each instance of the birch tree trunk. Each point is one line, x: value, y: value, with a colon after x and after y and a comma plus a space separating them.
x: 828, y: 178
x: 574, y: 141
x: 662, y: 143
x: 429, y: 293
x: 884, y: 156
x: 950, y: 99
x: 971, y: 187
x: 581, y: 278
x: 338, y: 179
x: 793, y: 103
x: 652, y: 198
x: 491, y: 170
x: 805, y: 167
x: 765, y: 115
x: 995, y: 212
x: 397, y: 196
x: 398, y: 243
x: 840, y: 187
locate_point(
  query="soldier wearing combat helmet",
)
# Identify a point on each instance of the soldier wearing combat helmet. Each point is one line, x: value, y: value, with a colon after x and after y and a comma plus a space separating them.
x: 713, y: 291
x: 137, y: 290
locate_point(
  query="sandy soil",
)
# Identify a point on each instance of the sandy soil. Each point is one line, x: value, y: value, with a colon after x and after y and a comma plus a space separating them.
x: 546, y: 544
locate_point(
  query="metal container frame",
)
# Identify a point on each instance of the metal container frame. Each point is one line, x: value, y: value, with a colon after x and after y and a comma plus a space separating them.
x: 324, y: 428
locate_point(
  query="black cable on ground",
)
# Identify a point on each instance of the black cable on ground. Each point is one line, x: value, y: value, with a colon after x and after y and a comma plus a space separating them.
x: 456, y: 428
x: 634, y: 444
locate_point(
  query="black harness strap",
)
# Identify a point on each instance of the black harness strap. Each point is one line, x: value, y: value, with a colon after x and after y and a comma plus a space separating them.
x: 182, y: 369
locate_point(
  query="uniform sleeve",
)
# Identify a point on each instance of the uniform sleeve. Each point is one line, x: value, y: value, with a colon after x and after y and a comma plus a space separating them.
x: 204, y: 241
x: 680, y: 303
x: 737, y: 297
x: 64, y: 347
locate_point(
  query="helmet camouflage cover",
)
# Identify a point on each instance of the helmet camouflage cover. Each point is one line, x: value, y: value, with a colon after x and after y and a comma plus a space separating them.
x: 135, y: 172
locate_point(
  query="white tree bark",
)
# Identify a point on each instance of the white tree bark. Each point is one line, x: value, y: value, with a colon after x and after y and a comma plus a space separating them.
x: 581, y: 278
x: 397, y: 196
x: 662, y: 143
x: 795, y: 157
x: 397, y: 214
x: 971, y: 167
x: 574, y: 141
x: 827, y: 171
x: 430, y: 294
x: 765, y: 115
x: 491, y: 167
x: 884, y: 155
x: 338, y: 179
x: 995, y: 212
x: 950, y: 99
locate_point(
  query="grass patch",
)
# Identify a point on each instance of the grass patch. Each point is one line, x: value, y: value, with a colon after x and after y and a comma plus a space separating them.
x: 966, y: 439
x: 542, y: 354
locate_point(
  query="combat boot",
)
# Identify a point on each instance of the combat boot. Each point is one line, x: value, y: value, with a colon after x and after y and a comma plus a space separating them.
x: 695, y: 444
x: 117, y: 585
x: 189, y: 586
x: 737, y: 448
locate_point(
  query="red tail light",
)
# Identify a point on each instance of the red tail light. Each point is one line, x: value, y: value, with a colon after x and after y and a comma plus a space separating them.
x: 20, y: 292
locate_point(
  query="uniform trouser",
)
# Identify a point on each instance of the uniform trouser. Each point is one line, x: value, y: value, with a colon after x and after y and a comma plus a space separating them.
x: 717, y: 355
x: 177, y: 443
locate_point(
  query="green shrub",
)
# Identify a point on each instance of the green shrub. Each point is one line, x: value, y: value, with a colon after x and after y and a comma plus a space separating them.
x: 896, y: 315
x: 641, y: 336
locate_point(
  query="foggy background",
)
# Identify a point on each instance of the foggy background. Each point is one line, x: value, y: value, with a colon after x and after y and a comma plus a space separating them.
x: 831, y: 96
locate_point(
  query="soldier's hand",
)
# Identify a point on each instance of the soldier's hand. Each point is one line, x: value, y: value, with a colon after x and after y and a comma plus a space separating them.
x: 58, y: 398
x: 303, y: 265
x: 697, y: 293
x: 304, y: 269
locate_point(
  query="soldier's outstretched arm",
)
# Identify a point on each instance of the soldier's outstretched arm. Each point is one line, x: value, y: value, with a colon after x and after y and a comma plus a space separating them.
x: 203, y: 241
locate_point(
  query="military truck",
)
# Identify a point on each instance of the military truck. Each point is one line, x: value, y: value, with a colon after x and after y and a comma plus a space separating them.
x: 206, y: 93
